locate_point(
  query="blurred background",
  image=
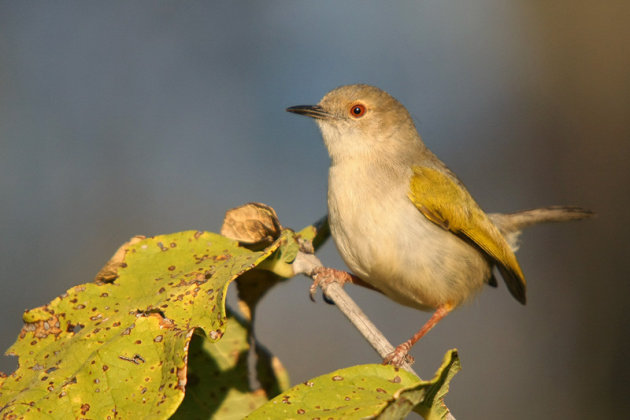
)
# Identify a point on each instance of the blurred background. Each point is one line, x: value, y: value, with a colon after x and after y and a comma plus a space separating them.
x: 121, y: 118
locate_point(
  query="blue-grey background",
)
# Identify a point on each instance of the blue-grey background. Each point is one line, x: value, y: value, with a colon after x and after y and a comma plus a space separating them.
x: 124, y: 118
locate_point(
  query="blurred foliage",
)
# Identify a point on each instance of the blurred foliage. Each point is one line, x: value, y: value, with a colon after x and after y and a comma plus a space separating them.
x: 217, y: 381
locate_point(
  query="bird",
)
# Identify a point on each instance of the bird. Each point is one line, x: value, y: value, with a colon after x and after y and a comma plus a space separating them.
x: 402, y: 221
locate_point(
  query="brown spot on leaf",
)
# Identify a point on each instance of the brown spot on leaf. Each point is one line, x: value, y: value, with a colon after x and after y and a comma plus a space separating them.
x: 215, y: 335
x: 158, y: 339
x: 166, y: 323
x: 72, y: 380
x: 381, y: 390
x: 109, y: 272
x: 200, y: 259
x: 162, y: 247
x: 171, y: 268
x: 181, y: 378
x: 85, y: 408
x: 136, y: 359
x: 301, y: 411
x: 127, y: 330
x: 42, y: 328
x: 396, y: 379
x: 337, y: 378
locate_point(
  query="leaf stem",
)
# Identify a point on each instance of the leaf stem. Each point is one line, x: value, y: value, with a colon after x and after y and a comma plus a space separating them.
x: 277, y: 266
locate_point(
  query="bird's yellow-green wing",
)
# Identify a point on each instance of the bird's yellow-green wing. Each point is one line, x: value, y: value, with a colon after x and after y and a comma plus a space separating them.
x: 447, y: 204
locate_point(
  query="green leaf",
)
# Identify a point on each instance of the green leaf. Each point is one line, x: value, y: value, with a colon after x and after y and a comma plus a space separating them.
x: 315, y: 234
x: 280, y: 261
x: 365, y: 391
x: 430, y: 394
x: 119, y: 347
x: 218, y: 376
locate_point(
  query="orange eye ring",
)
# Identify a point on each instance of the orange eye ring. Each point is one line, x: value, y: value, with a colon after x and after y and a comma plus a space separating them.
x: 357, y: 110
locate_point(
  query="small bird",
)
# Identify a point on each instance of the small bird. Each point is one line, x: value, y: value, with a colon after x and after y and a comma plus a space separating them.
x: 402, y: 221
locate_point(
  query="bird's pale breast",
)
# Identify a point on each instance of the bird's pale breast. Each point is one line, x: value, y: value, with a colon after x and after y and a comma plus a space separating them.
x: 387, y: 242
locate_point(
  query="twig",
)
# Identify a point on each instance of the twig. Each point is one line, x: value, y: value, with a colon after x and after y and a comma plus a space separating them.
x: 306, y: 264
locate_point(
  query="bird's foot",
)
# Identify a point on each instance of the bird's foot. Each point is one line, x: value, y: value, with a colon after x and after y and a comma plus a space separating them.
x: 399, y: 356
x: 323, y: 276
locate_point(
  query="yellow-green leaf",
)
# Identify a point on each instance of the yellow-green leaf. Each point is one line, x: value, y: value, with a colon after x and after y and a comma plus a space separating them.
x: 312, y: 237
x: 365, y: 391
x: 119, y: 347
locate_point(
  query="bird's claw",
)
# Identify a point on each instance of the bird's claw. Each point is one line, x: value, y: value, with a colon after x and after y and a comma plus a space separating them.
x: 313, y: 289
x: 399, y: 356
x: 323, y: 276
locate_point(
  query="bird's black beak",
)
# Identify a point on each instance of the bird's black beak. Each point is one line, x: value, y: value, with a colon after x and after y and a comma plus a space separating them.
x: 313, y: 111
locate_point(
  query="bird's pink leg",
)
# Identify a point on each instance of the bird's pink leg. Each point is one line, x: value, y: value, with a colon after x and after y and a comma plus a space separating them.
x: 399, y: 355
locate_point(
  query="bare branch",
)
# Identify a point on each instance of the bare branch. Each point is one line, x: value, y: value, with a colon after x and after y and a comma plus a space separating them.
x: 306, y: 264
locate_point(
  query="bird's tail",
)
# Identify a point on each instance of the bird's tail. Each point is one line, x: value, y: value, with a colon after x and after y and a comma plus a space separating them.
x: 511, y: 224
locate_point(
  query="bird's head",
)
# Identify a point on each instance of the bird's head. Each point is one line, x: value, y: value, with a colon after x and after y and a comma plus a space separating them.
x: 359, y: 120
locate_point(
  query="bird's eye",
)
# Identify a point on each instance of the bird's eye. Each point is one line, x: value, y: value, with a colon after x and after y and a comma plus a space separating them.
x: 357, y: 110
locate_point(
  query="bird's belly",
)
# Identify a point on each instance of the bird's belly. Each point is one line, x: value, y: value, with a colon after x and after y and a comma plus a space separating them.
x: 388, y: 243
